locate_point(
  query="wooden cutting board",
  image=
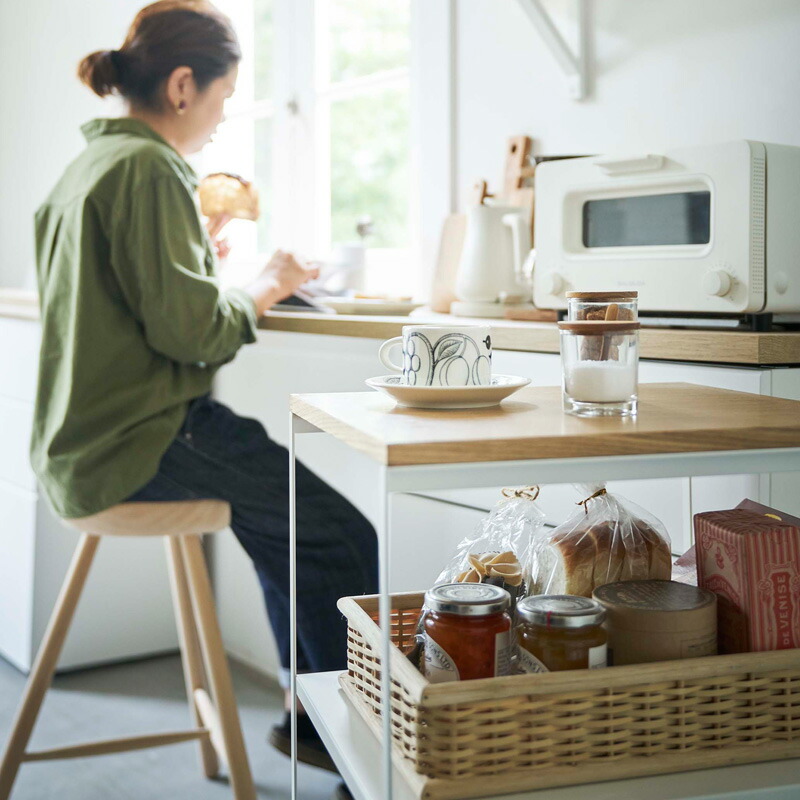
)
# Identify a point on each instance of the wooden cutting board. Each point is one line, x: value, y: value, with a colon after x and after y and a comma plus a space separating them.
x: 451, y: 243
x: 517, y: 169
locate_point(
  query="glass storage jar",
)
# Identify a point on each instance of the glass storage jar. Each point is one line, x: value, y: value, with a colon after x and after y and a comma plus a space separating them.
x: 600, y: 365
x: 467, y: 632
x: 559, y: 631
x: 603, y: 306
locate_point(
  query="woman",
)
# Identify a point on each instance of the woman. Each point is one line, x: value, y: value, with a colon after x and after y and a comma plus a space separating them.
x: 134, y: 327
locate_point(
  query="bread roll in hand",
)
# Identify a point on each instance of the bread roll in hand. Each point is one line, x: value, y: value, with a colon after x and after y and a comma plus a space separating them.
x: 223, y: 193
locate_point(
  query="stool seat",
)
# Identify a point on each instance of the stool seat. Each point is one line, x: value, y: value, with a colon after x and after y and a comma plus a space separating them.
x: 170, y: 518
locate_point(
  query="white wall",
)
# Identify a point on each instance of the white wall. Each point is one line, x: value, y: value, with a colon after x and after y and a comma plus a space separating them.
x: 42, y: 105
x: 665, y: 74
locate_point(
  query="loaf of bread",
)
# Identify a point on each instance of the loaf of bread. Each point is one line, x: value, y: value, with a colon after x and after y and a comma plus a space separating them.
x: 606, y: 545
x: 224, y: 193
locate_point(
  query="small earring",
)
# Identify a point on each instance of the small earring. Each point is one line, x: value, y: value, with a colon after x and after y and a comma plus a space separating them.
x: 181, y: 107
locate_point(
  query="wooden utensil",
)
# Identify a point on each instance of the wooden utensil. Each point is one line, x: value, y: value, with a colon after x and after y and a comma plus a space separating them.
x: 517, y: 170
x: 518, y: 153
x: 478, y: 193
x: 532, y: 314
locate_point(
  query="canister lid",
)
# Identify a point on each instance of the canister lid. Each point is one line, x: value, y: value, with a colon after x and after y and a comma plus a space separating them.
x: 650, y: 596
x: 601, y: 296
x: 561, y: 611
x: 592, y: 327
x: 467, y: 599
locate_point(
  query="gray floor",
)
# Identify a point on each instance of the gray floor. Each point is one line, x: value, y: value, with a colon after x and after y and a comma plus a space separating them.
x: 137, y: 698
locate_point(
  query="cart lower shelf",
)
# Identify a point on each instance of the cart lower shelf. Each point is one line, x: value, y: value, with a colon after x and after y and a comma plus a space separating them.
x: 357, y: 753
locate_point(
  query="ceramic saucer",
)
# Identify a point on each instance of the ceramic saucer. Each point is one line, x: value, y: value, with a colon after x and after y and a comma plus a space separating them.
x: 446, y: 397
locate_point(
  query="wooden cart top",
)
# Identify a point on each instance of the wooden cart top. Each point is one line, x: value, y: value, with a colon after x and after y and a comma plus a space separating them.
x: 672, y: 418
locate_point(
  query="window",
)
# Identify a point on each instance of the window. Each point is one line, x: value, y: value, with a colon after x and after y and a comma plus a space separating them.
x: 323, y: 130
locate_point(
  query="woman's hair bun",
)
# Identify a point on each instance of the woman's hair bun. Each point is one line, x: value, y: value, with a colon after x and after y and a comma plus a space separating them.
x: 100, y: 72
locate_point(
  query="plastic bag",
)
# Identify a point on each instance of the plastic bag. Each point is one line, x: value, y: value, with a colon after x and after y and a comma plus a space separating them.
x: 607, y: 539
x: 496, y: 551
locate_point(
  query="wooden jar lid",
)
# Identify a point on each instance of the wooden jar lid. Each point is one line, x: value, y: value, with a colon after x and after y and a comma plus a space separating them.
x: 592, y: 327
x: 600, y: 296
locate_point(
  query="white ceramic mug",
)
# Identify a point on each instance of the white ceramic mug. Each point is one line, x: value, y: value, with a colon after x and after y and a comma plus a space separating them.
x: 435, y: 355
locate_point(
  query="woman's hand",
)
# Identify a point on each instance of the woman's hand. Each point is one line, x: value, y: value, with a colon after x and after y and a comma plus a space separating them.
x: 214, y: 226
x: 282, y: 276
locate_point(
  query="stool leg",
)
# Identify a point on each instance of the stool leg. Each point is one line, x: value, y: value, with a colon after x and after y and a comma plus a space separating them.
x: 218, y: 673
x: 191, y: 656
x: 46, y: 660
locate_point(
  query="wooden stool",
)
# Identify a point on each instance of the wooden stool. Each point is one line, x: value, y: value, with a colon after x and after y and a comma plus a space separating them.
x: 215, y: 714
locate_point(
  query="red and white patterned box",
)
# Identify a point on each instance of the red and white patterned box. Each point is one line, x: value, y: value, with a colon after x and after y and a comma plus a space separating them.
x: 750, y: 558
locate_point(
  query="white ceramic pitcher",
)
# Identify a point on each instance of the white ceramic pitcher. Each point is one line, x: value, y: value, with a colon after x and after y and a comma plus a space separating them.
x: 496, y: 244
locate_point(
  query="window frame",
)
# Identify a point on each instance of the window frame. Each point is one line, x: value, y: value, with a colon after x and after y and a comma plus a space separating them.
x: 300, y: 114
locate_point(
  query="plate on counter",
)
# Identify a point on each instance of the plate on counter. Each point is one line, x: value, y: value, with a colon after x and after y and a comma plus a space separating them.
x: 448, y: 397
x: 369, y: 305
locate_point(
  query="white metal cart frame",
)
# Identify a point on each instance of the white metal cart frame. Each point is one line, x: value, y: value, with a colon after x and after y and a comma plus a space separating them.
x: 393, y: 480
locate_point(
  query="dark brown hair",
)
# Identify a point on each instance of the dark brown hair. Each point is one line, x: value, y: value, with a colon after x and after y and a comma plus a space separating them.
x: 165, y: 35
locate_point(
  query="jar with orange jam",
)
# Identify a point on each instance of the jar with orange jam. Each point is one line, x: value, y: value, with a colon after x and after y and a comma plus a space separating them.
x: 559, y: 632
x: 467, y: 632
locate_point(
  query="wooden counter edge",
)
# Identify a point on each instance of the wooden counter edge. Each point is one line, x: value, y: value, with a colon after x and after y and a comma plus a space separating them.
x: 21, y: 311
x: 700, y: 346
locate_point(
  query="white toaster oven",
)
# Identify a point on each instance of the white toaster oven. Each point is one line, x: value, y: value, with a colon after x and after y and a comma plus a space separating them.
x: 702, y: 230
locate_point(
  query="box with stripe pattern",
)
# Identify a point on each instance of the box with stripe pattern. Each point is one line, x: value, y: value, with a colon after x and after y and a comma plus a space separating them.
x: 749, y: 557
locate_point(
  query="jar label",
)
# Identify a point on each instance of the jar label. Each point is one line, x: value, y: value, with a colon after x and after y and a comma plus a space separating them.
x: 598, y: 656
x: 502, y: 654
x: 439, y: 666
x: 529, y: 663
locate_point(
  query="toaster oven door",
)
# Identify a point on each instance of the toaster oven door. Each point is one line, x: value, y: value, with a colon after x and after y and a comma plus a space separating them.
x: 686, y: 229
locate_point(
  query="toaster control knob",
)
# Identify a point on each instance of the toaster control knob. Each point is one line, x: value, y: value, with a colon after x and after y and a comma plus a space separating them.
x: 553, y: 283
x: 717, y: 283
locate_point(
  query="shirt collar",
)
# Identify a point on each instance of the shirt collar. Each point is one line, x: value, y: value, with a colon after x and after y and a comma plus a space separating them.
x: 134, y: 127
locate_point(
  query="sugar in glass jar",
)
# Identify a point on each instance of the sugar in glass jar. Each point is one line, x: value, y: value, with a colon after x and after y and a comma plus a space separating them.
x: 600, y: 363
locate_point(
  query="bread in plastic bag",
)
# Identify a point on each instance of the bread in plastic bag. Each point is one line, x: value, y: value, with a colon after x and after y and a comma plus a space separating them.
x: 607, y: 539
x: 497, y: 549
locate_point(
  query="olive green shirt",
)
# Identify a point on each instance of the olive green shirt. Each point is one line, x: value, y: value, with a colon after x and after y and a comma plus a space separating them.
x: 134, y: 324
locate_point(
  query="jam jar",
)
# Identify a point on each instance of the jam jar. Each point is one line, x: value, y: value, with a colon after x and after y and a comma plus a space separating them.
x: 561, y: 631
x: 467, y: 632
x: 602, y: 306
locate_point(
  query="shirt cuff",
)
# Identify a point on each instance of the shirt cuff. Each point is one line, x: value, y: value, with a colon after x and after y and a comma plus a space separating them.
x: 244, y: 302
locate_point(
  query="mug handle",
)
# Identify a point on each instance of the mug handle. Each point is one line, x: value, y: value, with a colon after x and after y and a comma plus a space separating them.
x: 383, y: 353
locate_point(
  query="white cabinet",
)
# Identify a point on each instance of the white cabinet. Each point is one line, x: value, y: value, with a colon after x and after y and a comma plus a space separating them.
x: 426, y: 535
x: 125, y: 611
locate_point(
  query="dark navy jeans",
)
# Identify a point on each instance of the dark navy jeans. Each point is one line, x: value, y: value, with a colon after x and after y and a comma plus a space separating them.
x: 219, y: 455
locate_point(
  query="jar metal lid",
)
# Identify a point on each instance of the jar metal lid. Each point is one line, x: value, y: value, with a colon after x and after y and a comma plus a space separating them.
x: 467, y: 599
x: 561, y: 611
x: 600, y: 296
x: 592, y: 327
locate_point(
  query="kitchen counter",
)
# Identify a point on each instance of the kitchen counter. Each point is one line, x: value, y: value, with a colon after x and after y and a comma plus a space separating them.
x: 705, y: 346
x: 702, y: 346
x: 20, y: 303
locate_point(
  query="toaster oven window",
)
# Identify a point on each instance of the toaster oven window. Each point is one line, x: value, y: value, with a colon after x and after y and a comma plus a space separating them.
x: 649, y: 220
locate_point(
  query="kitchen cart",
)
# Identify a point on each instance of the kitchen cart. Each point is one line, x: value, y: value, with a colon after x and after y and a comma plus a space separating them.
x: 681, y: 430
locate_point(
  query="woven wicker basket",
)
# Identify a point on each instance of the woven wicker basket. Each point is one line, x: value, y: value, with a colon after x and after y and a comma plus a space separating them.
x: 486, y: 737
